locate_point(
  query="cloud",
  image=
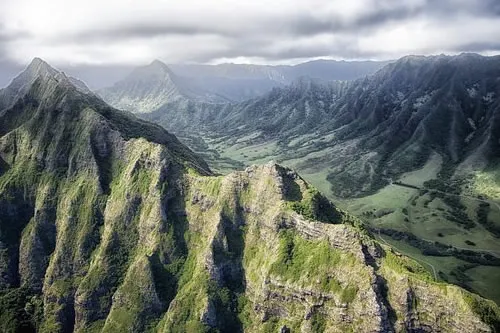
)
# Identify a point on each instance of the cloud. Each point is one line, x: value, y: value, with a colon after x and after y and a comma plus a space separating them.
x: 123, y: 32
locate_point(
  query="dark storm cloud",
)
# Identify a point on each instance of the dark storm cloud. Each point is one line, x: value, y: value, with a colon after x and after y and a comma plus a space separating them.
x: 143, y: 30
x: 477, y: 47
x: 305, y: 24
x: 309, y: 25
x: 474, y: 7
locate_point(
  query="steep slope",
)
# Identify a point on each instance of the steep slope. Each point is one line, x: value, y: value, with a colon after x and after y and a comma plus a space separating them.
x: 109, y: 224
x: 149, y: 87
x: 21, y: 83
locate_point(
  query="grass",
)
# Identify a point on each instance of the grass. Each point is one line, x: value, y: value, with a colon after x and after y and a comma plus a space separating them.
x: 426, y: 217
x: 318, y: 180
x: 298, y: 256
x: 487, y: 183
x: 306, y: 262
x: 480, y: 279
x: 429, y: 171
x: 318, y: 322
x: 406, y: 265
x: 483, y: 278
x: 314, y: 206
x: 489, y: 313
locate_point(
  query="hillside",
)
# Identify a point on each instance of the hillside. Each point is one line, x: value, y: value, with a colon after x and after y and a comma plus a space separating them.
x: 108, y: 223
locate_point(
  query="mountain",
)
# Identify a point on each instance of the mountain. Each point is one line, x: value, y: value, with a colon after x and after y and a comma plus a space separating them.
x: 412, y: 150
x: 109, y: 224
x: 149, y: 87
x: 37, y: 68
x: 392, y: 121
x: 239, y: 82
x: 332, y: 70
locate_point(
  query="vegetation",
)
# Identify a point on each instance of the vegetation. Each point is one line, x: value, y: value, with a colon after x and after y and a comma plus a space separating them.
x: 486, y: 309
x: 300, y: 261
x: 20, y: 310
x: 318, y: 322
x: 439, y: 249
x: 482, y: 217
x: 403, y: 264
x: 315, y: 206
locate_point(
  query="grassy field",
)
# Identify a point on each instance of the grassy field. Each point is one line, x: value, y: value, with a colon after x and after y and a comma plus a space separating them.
x: 486, y: 281
x: 488, y: 183
x: 429, y: 171
x: 481, y: 279
x: 438, y: 264
x: 427, y: 217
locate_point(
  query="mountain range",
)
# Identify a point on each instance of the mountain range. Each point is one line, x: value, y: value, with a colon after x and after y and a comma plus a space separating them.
x: 393, y: 120
x: 411, y: 149
x: 226, y: 83
x: 108, y: 223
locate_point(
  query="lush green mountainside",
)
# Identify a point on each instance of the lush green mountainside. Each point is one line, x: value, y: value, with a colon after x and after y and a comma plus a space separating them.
x: 412, y: 150
x: 109, y: 224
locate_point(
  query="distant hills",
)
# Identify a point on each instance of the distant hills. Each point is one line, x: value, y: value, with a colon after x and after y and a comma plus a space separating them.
x: 239, y: 82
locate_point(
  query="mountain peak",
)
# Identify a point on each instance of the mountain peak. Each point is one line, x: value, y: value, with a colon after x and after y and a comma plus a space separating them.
x: 158, y: 65
x: 38, y: 61
x: 155, y: 70
x: 158, y: 62
x: 38, y: 67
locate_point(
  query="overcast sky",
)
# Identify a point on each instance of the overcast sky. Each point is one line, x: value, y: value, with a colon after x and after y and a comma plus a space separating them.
x: 128, y: 32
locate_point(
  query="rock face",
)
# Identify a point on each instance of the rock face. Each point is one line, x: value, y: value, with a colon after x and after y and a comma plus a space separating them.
x: 109, y: 224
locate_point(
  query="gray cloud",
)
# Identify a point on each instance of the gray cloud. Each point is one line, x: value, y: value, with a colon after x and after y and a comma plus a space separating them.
x: 304, y: 24
x: 308, y: 25
x: 478, y: 47
x: 200, y: 31
x: 142, y: 30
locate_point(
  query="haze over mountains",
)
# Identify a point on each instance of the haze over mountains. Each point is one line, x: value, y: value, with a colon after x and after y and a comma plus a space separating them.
x: 108, y: 223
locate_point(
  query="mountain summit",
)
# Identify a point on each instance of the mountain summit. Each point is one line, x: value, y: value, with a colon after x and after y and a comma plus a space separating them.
x: 38, y: 69
x: 109, y: 224
x: 150, y: 87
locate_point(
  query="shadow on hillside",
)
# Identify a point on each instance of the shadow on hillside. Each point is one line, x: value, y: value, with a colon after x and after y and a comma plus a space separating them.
x: 4, y: 167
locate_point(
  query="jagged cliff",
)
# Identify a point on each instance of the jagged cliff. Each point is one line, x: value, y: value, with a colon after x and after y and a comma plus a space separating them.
x: 109, y: 224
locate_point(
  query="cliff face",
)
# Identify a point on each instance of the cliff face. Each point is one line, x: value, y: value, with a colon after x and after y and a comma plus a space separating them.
x: 109, y: 224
